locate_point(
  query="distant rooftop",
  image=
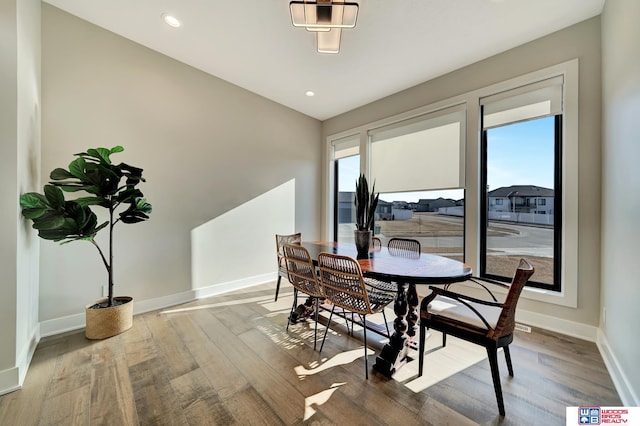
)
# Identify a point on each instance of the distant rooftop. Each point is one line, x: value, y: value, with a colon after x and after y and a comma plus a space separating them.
x: 521, y: 191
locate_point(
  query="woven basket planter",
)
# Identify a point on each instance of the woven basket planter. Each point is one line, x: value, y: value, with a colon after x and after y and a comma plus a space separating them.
x: 107, y: 322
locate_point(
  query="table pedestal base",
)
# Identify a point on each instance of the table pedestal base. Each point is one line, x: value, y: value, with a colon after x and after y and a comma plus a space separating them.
x: 393, y: 355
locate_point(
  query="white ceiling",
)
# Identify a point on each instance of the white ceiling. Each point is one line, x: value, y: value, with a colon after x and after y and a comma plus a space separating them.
x: 396, y: 44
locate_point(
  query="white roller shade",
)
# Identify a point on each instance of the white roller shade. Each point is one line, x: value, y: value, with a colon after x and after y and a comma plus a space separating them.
x: 420, y: 154
x: 535, y: 100
x: 346, y: 147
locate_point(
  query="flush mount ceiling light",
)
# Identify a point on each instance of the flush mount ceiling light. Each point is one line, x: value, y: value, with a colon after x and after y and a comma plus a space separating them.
x: 326, y: 18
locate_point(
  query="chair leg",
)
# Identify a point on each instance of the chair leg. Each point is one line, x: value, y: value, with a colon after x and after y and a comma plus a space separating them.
x: 386, y: 324
x: 315, y: 332
x: 327, y: 329
x: 421, y: 350
x: 293, y: 308
x: 495, y: 374
x: 277, y: 287
x: 444, y: 339
x: 507, y: 356
x: 366, y: 363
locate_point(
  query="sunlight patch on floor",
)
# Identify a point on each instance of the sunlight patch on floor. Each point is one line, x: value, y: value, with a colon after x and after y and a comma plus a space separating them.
x: 439, y: 363
x: 265, y: 301
x: 346, y: 357
x: 318, y: 399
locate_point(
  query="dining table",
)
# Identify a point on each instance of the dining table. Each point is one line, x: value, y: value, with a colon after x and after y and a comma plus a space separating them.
x: 407, y: 269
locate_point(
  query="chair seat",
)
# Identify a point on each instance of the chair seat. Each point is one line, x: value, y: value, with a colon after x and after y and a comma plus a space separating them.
x: 450, y: 308
x: 477, y: 321
x: 381, y: 285
x: 379, y: 299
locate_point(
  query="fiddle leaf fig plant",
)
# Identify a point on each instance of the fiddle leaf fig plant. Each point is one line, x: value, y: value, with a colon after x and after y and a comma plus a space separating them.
x: 366, y: 203
x: 110, y: 186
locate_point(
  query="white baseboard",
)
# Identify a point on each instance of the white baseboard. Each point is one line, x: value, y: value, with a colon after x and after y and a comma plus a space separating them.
x: 10, y: 380
x: 62, y: 325
x: 142, y: 306
x: 13, y: 378
x: 559, y: 325
x: 628, y: 395
x: 221, y: 288
x: 625, y: 390
x: 77, y: 321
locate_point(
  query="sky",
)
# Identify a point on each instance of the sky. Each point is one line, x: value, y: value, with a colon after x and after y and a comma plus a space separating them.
x: 517, y: 154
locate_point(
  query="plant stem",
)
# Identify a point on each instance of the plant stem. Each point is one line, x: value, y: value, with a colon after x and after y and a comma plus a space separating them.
x: 110, y: 268
x: 104, y: 260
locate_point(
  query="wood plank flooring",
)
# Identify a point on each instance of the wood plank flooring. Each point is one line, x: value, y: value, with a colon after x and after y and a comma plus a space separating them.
x: 228, y: 360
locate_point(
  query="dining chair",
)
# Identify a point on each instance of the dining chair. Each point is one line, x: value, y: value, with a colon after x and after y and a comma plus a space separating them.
x: 343, y: 284
x: 488, y: 323
x: 404, y: 247
x: 376, y: 243
x: 302, y: 275
x: 281, y: 240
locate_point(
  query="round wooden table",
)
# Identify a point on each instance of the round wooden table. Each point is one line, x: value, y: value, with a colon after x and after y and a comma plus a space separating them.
x: 406, y: 269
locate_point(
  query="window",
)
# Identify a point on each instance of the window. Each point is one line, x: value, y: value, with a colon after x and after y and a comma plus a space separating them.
x: 521, y: 148
x: 418, y: 168
x: 346, y: 156
x: 551, y: 103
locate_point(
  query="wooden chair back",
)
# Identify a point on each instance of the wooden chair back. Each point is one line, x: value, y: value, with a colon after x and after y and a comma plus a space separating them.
x: 507, y: 322
x: 281, y: 240
x: 301, y: 271
x: 342, y: 283
x: 404, y: 247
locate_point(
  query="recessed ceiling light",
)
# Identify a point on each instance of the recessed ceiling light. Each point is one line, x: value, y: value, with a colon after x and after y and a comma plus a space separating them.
x: 170, y: 20
x: 309, y: 93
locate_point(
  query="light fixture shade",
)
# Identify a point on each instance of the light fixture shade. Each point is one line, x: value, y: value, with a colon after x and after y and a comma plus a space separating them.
x: 323, y: 14
x: 329, y: 42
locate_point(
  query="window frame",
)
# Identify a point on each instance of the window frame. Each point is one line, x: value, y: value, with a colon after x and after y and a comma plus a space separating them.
x: 556, y: 286
x: 569, y: 69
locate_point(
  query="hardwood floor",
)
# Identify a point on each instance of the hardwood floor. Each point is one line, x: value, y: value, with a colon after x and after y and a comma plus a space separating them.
x: 228, y: 360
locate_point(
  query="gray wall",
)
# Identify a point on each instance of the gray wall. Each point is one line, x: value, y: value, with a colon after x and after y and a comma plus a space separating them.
x: 621, y: 188
x: 206, y: 146
x: 580, y: 41
x: 19, y: 172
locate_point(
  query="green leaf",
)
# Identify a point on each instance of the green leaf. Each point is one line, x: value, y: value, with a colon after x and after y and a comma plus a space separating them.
x: 33, y: 200
x: 143, y: 206
x: 90, y: 201
x: 117, y: 148
x: 101, y: 154
x: 60, y: 174
x: 54, y: 195
x: 33, y: 213
x: 129, y: 195
x: 72, y: 187
x: 133, y: 217
x: 77, y: 168
x: 49, y: 220
x: 52, y: 234
x: 102, y: 225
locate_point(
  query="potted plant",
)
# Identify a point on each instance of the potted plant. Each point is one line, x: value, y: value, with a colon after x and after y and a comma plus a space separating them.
x: 365, y: 203
x: 61, y: 220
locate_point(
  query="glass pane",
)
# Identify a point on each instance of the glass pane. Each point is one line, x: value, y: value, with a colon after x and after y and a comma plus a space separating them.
x: 348, y: 170
x: 520, y: 198
x: 434, y: 218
